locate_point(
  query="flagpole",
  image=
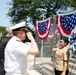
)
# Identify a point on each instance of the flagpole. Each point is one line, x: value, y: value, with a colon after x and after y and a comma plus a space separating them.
x: 42, y: 48
x: 54, y: 18
x: 44, y: 10
x: 42, y: 43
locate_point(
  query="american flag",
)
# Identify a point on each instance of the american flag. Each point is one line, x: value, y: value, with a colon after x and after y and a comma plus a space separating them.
x: 66, y: 23
x: 42, y: 28
x: 51, y: 32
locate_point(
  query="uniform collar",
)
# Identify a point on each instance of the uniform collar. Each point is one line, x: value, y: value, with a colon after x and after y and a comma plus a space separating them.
x: 17, y: 39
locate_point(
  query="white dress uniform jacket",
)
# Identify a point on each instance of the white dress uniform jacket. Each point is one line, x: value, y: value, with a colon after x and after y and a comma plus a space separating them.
x: 16, y: 57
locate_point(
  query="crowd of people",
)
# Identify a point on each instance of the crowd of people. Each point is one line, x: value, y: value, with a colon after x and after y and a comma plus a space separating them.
x: 13, y: 52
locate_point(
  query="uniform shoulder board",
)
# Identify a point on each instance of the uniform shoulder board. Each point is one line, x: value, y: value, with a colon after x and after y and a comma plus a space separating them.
x: 18, y: 40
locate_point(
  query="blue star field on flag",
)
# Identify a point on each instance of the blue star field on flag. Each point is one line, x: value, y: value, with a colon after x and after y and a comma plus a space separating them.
x: 69, y: 21
x: 42, y: 26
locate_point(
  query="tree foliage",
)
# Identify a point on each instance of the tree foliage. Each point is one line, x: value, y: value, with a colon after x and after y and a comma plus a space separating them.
x: 22, y: 10
x: 2, y: 29
x: 72, y: 2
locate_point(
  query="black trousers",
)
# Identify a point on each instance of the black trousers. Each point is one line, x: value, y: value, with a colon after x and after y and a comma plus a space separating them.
x: 57, y: 72
x: 2, y: 71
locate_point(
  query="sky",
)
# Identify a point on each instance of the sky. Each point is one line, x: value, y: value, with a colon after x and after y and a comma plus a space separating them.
x: 4, y: 7
x: 4, y: 19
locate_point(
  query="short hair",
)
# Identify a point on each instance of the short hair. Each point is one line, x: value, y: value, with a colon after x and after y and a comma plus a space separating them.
x: 15, y: 32
x: 66, y: 39
x: 7, y: 31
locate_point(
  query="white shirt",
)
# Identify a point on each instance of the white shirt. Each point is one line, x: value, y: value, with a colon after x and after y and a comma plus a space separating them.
x: 16, y: 57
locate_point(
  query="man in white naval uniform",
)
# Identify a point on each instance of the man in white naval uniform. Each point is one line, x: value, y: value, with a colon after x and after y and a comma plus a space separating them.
x: 16, y: 51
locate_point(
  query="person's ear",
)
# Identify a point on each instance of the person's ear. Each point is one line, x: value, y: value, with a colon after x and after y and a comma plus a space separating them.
x: 65, y: 43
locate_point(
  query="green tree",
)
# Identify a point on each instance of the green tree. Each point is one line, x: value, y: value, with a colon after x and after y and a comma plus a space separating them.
x: 2, y: 29
x: 22, y: 10
x: 72, y: 2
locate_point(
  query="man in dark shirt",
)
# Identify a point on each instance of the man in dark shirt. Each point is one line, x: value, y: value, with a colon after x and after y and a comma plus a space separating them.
x: 0, y: 40
x: 8, y: 35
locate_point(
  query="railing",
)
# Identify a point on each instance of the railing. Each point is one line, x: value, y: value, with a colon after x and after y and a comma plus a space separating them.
x: 45, y: 64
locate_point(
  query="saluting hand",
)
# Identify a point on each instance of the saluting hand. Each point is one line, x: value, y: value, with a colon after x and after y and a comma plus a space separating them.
x: 52, y: 43
x: 30, y: 36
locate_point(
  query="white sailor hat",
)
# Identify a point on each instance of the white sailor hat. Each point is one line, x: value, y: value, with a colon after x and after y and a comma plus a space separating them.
x: 18, y: 26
